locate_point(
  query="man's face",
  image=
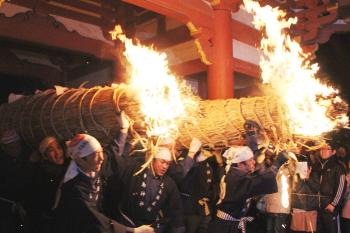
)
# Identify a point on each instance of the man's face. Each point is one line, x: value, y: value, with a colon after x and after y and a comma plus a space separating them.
x: 160, y: 166
x: 326, y: 152
x: 92, y: 162
x: 247, y: 166
x: 54, y: 153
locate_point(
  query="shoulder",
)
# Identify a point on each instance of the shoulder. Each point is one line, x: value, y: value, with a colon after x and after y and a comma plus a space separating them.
x: 169, y: 183
x: 235, y: 172
x: 74, y: 184
x: 336, y: 165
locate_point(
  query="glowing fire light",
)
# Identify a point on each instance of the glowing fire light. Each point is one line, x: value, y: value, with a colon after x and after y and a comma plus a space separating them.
x: 163, y: 99
x: 285, y: 193
x: 288, y: 70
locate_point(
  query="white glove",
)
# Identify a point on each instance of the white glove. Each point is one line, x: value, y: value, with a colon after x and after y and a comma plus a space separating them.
x: 144, y: 229
x: 123, y: 121
x: 195, y: 145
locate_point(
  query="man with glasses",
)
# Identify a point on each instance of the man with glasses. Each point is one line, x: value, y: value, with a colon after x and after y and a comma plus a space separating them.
x: 327, y: 178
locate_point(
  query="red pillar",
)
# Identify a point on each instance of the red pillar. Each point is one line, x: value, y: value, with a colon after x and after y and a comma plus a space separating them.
x: 220, y: 72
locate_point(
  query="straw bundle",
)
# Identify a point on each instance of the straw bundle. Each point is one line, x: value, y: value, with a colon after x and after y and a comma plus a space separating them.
x: 218, y: 122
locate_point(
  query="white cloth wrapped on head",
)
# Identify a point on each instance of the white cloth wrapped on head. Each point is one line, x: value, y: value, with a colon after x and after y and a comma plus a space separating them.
x: 9, y: 136
x: 238, y: 154
x: 45, y: 143
x: 163, y: 153
x: 80, y: 146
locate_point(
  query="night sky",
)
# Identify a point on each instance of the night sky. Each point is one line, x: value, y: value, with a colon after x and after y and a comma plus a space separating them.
x: 334, y: 60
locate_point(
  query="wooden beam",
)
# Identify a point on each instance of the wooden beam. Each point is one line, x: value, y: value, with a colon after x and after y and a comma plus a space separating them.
x: 47, y: 31
x: 196, y: 66
x: 77, y: 4
x: 198, y: 13
x: 79, y: 16
x: 189, y: 68
x: 184, y: 11
x: 11, y: 65
x: 245, y: 34
x: 172, y: 37
x: 144, y: 17
x: 247, y: 68
x: 58, y: 8
x: 26, y: 3
x: 326, y: 32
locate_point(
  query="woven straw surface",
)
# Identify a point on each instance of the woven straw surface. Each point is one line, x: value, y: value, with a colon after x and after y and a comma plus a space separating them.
x: 93, y: 111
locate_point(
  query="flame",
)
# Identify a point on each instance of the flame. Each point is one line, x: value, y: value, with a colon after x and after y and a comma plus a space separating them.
x: 285, y: 193
x: 288, y: 70
x: 164, y: 100
x: 1, y: 2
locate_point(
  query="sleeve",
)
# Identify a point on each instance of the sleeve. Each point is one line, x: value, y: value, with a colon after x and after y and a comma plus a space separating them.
x: 178, y: 170
x: 314, y: 180
x: 173, y: 208
x: 187, y: 164
x: 118, y: 144
x: 261, y: 184
x: 122, y: 166
x: 340, y: 187
x: 112, y: 154
x: 78, y: 216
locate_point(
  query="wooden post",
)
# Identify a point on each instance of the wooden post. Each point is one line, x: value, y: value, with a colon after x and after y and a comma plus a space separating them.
x: 220, y: 72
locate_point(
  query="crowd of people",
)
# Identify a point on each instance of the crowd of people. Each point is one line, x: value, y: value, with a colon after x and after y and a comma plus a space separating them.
x: 83, y: 187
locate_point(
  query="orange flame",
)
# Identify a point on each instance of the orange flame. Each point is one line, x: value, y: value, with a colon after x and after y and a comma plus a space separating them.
x: 288, y: 70
x: 164, y: 100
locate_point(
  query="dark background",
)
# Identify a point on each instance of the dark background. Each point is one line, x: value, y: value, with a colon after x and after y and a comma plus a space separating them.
x: 334, y: 60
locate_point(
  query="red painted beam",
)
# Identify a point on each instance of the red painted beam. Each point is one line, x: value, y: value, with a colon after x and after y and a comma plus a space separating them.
x: 196, y: 66
x: 199, y: 14
x: 45, y: 30
x: 245, y: 34
x: 195, y: 11
x: 247, y: 68
x: 172, y: 37
x: 189, y: 68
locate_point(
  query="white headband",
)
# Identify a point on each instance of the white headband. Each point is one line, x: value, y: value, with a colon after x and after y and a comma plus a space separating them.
x: 163, y: 153
x: 238, y: 154
x: 80, y: 146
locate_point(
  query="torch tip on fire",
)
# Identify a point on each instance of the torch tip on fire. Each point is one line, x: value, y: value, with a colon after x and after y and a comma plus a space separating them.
x: 117, y: 32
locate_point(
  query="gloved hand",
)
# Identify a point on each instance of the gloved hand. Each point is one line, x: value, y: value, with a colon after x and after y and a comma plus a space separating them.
x: 144, y: 229
x: 252, y: 129
x: 281, y: 158
x: 123, y: 121
x: 195, y: 145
